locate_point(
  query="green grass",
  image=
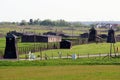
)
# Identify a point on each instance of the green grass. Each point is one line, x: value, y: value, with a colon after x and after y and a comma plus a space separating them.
x: 76, y: 72
x: 102, y: 48
x: 2, y: 42
x: 61, y: 69
x: 38, y: 29
x: 59, y: 62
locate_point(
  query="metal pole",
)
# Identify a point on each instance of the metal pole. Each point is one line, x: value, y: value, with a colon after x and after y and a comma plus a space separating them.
x: 41, y: 53
x: 88, y: 55
x: 34, y: 40
x: 114, y: 49
x: 52, y: 55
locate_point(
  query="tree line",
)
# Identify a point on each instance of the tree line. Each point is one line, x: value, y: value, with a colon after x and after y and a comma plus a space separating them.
x: 48, y: 22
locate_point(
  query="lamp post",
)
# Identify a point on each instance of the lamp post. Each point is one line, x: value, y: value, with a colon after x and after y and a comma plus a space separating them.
x: 34, y: 40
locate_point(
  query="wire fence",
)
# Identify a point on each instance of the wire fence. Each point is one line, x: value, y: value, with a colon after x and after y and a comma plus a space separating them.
x: 42, y: 56
x: 39, y: 48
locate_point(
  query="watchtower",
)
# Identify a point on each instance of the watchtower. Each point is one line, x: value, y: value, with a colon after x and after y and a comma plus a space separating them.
x: 111, y: 40
x: 92, y: 35
x: 111, y: 36
x: 11, y: 48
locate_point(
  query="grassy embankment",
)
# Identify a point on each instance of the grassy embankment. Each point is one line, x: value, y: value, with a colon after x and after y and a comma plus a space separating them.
x: 59, y: 62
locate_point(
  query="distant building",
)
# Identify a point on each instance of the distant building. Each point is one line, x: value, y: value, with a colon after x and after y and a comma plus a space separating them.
x: 117, y: 38
x: 1, y: 35
x: 16, y: 33
x: 106, y: 25
x: 57, y: 34
x: 84, y: 35
x: 50, y: 33
x: 104, y: 36
x: 40, y: 38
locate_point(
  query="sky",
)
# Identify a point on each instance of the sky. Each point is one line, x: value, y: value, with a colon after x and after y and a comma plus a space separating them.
x: 69, y: 10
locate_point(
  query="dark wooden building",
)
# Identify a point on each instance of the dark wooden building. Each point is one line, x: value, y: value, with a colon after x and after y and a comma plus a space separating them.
x: 57, y: 34
x: 19, y: 34
x: 117, y: 38
x: 84, y: 35
x: 66, y: 44
x: 50, y: 33
x: 40, y: 38
x: 104, y: 36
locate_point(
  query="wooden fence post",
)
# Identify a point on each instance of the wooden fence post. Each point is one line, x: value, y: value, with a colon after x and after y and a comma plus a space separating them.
x: 109, y: 55
x: 78, y: 55
x: 99, y: 55
x: 88, y: 55
x: 41, y: 53
x: 52, y: 55
x: 67, y: 55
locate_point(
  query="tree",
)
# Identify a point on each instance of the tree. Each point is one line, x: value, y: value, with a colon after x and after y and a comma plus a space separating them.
x: 62, y: 23
x: 36, y: 22
x: 47, y: 22
x: 77, y: 24
x: 31, y: 22
x: 92, y: 25
x: 23, y: 22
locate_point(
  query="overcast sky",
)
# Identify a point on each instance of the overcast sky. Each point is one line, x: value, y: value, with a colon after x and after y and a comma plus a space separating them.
x: 69, y: 10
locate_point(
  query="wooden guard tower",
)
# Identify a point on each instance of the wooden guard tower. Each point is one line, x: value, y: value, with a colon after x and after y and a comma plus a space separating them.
x: 92, y: 35
x: 111, y: 40
x: 11, y: 48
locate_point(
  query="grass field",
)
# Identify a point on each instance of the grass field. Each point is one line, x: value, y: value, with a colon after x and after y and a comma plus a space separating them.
x: 84, y: 49
x: 40, y: 29
x: 76, y: 72
x: 61, y: 69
